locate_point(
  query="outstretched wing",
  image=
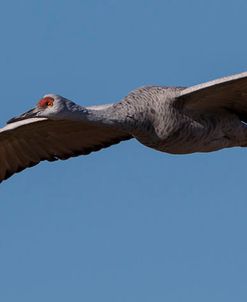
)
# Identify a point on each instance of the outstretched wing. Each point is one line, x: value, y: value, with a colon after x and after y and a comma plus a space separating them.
x: 25, y: 143
x: 228, y: 93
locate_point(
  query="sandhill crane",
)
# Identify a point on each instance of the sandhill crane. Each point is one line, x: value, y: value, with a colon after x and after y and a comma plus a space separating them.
x: 177, y: 120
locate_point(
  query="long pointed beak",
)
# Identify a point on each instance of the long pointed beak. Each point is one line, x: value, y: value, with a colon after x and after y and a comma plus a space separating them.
x: 29, y: 114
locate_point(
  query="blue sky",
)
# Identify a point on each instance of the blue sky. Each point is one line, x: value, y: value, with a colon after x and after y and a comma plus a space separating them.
x: 127, y: 223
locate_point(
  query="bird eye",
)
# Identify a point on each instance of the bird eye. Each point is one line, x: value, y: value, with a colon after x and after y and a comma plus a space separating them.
x: 50, y: 103
x: 46, y: 102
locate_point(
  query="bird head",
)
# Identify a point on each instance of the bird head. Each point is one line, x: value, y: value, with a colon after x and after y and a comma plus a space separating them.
x: 50, y: 106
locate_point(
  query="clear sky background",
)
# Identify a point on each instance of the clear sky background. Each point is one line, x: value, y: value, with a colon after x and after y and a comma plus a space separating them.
x: 128, y: 223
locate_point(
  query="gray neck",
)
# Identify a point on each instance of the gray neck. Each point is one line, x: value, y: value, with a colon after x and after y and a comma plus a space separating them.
x: 141, y: 111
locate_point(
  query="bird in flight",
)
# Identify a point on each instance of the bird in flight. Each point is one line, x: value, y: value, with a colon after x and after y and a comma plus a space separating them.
x: 178, y: 120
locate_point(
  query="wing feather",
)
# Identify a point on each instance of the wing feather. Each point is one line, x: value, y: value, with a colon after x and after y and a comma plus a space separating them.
x: 25, y: 143
x: 224, y: 93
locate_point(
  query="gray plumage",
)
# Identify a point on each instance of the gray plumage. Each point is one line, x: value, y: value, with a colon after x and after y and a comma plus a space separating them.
x: 177, y: 120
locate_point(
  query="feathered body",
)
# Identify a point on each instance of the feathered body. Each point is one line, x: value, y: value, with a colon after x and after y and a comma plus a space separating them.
x: 155, y: 118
